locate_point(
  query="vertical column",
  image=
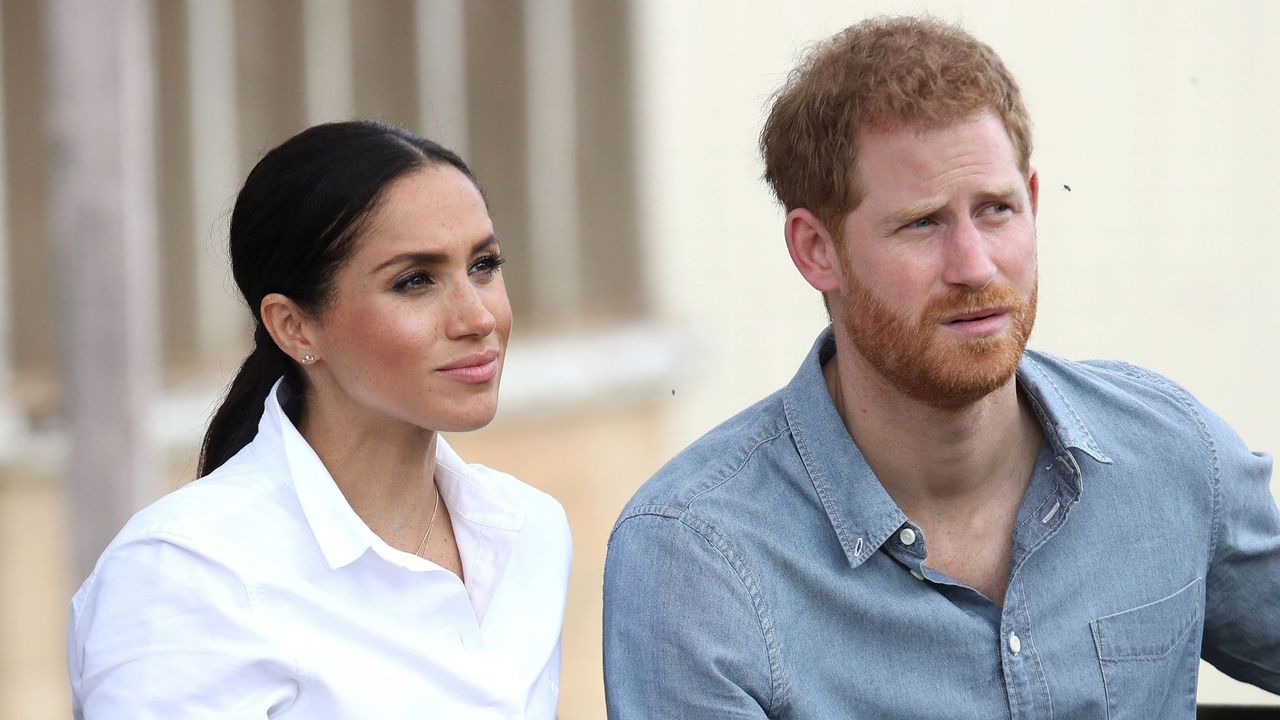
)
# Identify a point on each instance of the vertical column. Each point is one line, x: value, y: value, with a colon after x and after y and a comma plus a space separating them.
x: 326, y: 40
x: 553, y: 160
x: 11, y: 425
x: 441, y: 33
x: 104, y: 226
x: 215, y: 176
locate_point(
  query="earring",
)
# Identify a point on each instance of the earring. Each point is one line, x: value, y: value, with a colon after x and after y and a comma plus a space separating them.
x: 308, y: 359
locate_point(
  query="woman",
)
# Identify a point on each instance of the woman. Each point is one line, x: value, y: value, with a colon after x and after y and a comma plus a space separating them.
x: 336, y: 559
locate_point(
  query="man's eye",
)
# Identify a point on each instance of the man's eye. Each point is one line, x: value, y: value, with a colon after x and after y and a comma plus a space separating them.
x: 921, y: 223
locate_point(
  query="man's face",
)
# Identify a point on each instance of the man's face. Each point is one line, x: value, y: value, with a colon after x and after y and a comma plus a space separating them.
x: 938, y: 262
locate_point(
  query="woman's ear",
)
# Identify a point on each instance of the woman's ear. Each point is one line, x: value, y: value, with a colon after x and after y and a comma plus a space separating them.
x: 812, y: 250
x: 291, y: 328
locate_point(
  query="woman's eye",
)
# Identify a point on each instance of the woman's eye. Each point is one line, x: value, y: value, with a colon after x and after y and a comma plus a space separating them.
x: 488, y: 264
x: 412, y: 282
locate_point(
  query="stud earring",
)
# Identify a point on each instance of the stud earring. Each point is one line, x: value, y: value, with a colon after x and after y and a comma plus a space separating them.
x: 308, y: 359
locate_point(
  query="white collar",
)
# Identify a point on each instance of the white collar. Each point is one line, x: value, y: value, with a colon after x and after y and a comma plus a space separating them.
x: 342, y: 536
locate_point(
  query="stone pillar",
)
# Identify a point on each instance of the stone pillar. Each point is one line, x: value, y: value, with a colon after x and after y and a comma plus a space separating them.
x: 553, y: 160
x: 441, y: 32
x: 104, y: 226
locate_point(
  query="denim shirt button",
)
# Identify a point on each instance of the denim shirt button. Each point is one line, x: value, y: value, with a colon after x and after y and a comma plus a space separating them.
x: 917, y: 574
x: 907, y: 536
x: 1015, y: 645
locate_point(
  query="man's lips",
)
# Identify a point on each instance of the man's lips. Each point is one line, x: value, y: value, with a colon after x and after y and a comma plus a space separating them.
x: 478, y: 367
x: 975, y: 315
x: 977, y: 323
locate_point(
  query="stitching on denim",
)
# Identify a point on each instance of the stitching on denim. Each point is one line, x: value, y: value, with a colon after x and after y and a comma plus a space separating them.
x: 818, y: 477
x: 746, y: 458
x: 1102, y: 668
x: 1031, y: 643
x: 1181, y: 396
x: 1084, y: 430
x: 1190, y: 623
x: 773, y: 651
x: 650, y: 509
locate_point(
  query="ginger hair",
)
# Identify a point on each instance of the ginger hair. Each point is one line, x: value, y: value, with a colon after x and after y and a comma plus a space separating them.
x: 879, y: 74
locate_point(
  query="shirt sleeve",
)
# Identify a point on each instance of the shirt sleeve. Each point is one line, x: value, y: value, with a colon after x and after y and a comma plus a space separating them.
x: 682, y: 637
x: 163, y: 631
x: 1242, y: 614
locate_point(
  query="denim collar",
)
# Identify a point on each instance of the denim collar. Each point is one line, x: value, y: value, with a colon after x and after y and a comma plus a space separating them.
x: 861, y: 511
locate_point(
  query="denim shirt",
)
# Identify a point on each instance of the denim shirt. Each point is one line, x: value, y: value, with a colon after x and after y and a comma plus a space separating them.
x: 765, y: 572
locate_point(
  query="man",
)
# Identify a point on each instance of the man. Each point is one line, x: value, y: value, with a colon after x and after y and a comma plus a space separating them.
x: 929, y: 522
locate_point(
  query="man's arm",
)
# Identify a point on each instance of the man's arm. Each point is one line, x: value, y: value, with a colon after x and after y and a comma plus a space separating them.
x: 682, y: 636
x: 1242, y: 599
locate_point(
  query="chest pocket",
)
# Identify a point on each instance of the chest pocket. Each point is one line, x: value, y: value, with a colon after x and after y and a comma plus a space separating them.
x: 1150, y: 655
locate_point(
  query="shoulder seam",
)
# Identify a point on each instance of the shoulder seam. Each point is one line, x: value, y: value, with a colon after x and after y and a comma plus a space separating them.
x: 742, y: 570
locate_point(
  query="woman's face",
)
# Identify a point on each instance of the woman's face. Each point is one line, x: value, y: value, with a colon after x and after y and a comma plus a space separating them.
x: 417, y: 330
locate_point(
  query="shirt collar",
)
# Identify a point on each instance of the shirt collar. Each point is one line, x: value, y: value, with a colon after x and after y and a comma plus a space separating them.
x: 860, y: 510
x: 1064, y: 423
x: 342, y: 536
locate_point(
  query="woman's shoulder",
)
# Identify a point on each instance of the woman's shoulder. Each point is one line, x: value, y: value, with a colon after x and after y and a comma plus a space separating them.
x: 242, y: 491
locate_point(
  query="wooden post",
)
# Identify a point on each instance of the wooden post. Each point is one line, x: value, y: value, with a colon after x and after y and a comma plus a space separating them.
x: 104, y: 227
x: 441, y: 30
x: 11, y: 422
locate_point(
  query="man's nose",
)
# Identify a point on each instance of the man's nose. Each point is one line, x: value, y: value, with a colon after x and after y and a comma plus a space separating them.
x: 968, y: 257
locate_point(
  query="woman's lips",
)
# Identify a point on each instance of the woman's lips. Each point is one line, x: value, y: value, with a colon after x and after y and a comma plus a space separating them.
x: 475, y: 368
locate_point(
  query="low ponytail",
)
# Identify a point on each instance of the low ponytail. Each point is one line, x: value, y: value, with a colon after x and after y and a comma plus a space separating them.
x: 236, y: 421
x: 293, y: 226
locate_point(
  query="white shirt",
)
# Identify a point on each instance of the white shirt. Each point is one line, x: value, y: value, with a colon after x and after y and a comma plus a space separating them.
x: 257, y: 592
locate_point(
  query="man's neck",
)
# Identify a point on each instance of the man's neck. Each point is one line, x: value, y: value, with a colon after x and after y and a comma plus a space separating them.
x: 936, y: 461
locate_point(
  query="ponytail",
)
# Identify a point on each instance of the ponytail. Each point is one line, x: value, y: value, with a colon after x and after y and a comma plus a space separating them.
x: 236, y: 421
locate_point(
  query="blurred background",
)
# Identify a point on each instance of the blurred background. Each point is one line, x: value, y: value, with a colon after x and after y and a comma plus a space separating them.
x: 653, y: 294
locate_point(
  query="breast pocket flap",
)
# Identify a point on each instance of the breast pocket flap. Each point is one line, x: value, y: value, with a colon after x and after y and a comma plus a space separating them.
x: 1149, y: 631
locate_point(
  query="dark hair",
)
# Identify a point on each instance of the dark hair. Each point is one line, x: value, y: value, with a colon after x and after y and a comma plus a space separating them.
x: 294, y: 224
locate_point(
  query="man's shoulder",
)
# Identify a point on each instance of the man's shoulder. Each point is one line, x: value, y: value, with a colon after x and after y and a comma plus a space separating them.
x: 1117, y: 397
x: 714, y: 462
x: 1106, y: 379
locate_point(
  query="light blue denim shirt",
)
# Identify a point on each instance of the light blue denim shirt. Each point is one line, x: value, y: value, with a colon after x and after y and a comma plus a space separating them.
x: 765, y: 572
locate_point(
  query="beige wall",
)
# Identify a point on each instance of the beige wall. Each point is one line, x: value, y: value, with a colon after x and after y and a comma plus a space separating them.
x: 1162, y: 253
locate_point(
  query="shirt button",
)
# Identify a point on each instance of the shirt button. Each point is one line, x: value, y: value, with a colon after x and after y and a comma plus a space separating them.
x: 1015, y: 645
x: 917, y: 574
x: 907, y: 536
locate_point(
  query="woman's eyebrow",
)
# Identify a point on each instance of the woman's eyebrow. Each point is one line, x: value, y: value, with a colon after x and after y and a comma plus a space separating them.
x: 433, y: 258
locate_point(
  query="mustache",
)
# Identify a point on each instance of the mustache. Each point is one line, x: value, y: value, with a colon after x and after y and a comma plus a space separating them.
x: 957, y: 301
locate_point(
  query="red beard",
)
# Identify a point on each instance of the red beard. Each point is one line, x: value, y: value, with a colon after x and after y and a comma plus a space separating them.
x: 921, y: 361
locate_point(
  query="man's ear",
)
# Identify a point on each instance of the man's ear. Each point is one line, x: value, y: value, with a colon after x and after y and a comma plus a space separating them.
x: 813, y: 250
x: 1033, y: 187
x: 289, y: 327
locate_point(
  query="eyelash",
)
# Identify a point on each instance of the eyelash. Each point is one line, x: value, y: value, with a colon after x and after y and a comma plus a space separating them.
x: 418, y: 280
x: 491, y: 263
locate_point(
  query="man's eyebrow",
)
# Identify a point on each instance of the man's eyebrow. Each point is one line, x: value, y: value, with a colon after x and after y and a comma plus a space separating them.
x: 433, y: 258
x: 925, y: 208
x: 915, y: 211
